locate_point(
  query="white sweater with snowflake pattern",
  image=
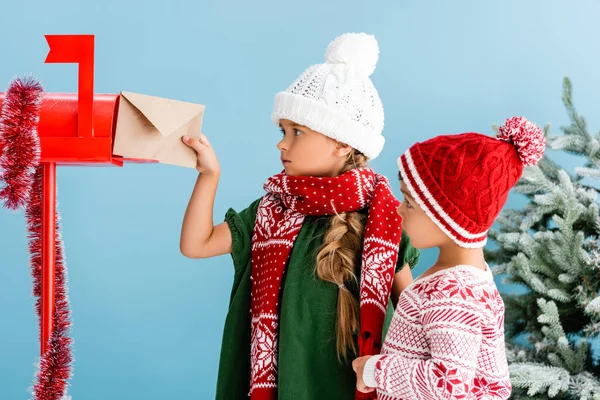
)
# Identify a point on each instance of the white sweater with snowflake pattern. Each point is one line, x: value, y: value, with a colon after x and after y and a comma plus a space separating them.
x: 446, y: 341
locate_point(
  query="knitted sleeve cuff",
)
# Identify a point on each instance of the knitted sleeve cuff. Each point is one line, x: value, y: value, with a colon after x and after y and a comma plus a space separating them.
x: 369, y: 371
x: 240, y: 239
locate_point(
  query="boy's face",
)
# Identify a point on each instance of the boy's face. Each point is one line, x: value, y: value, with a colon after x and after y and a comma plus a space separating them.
x: 305, y: 152
x: 421, y: 230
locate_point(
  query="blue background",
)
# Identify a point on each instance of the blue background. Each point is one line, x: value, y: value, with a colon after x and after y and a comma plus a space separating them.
x: 147, y: 321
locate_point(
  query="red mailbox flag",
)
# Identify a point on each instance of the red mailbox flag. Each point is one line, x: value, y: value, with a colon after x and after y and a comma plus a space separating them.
x: 77, y: 49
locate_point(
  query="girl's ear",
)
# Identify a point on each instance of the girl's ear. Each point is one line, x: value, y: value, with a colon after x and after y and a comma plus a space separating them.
x: 342, y: 149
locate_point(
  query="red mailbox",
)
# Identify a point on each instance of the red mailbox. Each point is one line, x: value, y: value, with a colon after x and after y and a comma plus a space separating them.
x: 61, y: 141
x: 74, y: 129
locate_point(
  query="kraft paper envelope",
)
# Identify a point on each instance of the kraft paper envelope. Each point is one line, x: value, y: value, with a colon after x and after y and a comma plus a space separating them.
x: 151, y: 127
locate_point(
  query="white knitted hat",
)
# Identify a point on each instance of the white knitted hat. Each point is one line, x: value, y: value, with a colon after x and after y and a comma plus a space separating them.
x: 337, y: 98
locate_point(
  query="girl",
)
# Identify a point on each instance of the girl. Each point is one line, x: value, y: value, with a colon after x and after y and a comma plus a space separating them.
x: 322, y: 244
x: 446, y: 339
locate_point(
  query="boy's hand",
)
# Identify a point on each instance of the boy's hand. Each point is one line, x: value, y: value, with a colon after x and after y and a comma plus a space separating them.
x: 359, y: 365
x: 207, y: 159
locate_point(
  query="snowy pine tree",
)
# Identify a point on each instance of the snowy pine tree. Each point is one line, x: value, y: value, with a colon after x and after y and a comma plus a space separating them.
x: 551, y: 248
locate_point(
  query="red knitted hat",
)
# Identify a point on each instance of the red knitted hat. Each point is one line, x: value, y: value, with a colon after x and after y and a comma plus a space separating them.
x: 462, y: 181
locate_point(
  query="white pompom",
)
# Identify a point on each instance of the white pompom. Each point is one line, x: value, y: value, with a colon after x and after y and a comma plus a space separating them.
x: 357, y: 50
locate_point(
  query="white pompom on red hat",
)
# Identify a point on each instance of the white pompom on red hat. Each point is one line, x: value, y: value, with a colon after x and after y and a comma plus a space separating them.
x: 528, y: 139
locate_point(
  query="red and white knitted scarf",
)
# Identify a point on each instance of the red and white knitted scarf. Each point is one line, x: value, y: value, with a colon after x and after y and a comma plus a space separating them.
x: 279, y: 218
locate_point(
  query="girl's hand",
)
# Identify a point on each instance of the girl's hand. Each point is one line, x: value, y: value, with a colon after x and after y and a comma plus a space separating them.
x: 207, y: 162
x: 359, y: 365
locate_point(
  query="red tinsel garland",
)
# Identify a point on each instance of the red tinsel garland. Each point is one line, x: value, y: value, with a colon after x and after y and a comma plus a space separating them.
x: 22, y: 177
x: 18, y: 132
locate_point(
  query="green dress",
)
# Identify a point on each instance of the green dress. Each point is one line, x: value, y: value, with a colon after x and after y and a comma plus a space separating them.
x: 308, y: 366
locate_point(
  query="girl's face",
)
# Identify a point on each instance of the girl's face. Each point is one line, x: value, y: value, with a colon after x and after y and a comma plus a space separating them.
x: 305, y: 152
x: 421, y: 230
